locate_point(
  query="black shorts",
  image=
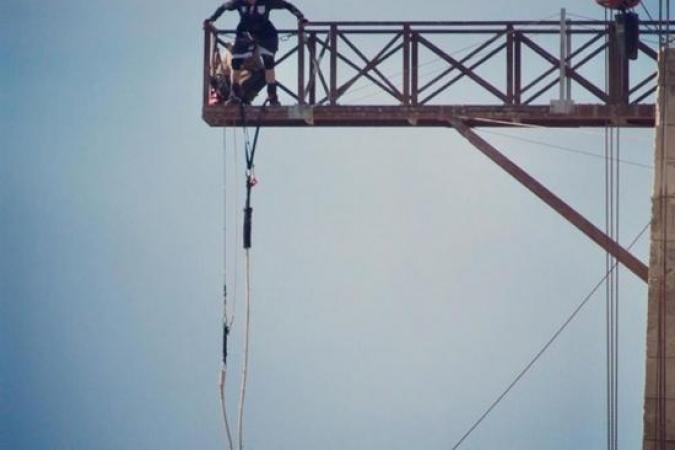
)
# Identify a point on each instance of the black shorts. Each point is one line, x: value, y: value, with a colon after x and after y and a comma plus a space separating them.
x: 266, y: 38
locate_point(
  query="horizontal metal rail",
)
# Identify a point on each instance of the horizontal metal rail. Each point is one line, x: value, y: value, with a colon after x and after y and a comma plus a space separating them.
x: 585, y: 115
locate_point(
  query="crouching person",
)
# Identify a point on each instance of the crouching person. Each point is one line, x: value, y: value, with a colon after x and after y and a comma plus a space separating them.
x: 255, y: 30
x: 251, y: 77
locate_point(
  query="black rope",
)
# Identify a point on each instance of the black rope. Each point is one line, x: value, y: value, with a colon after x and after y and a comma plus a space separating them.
x: 248, y: 210
x: 226, y: 328
x: 226, y: 332
x: 250, y: 179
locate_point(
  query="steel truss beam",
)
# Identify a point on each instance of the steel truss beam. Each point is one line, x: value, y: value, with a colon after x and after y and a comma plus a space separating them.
x: 335, y: 61
x: 619, y: 104
x: 570, y: 214
x: 431, y: 116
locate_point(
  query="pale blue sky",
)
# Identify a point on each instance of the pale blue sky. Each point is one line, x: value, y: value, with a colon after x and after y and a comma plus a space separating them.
x: 401, y: 280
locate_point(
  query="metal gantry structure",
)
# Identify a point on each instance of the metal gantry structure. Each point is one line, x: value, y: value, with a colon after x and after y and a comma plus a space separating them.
x: 518, y: 98
x: 513, y: 67
x: 564, y: 73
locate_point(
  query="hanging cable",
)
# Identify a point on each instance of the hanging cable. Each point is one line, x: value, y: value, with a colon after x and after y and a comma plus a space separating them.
x: 517, y: 126
x: 251, y: 181
x: 566, y: 149
x: 226, y: 325
x: 612, y: 157
x: 611, y: 288
x: 543, y: 350
x: 608, y: 394
x: 235, y: 262
x: 617, y: 269
x: 247, y: 336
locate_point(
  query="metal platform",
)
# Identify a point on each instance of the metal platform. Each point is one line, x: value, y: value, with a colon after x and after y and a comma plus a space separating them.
x: 515, y: 72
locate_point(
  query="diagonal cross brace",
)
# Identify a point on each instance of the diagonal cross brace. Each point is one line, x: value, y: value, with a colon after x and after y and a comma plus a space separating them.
x: 462, y: 68
x: 570, y: 214
x: 590, y: 87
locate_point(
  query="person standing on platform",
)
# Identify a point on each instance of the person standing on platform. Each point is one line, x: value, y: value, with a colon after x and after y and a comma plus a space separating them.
x: 255, y: 29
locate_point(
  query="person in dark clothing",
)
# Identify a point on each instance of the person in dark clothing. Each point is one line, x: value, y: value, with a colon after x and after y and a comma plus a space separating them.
x: 255, y: 28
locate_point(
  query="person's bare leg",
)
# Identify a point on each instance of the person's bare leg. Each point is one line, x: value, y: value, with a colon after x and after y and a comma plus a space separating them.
x: 236, y: 92
x: 271, y: 80
x: 236, y: 77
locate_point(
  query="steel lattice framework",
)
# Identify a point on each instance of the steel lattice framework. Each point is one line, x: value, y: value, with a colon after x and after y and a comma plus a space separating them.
x: 513, y: 67
x: 505, y: 77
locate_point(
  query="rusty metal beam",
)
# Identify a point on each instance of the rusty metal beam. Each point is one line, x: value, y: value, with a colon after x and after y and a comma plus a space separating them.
x: 463, y: 60
x: 555, y: 62
x: 472, y: 68
x: 462, y: 68
x: 584, y: 115
x: 570, y: 214
x: 206, y: 84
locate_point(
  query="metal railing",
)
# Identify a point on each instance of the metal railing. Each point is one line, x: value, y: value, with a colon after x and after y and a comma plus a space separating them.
x: 507, y: 62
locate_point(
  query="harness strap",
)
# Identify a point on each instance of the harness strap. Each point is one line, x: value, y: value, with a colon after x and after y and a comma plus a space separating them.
x: 250, y: 175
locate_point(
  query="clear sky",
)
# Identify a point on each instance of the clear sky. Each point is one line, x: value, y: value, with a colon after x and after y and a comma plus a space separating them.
x: 401, y: 280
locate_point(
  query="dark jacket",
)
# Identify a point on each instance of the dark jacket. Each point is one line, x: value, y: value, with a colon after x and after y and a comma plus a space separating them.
x: 255, y: 17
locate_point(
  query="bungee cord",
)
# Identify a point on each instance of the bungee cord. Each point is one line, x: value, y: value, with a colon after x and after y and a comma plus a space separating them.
x: 226, y: 323
x: 227, y: 319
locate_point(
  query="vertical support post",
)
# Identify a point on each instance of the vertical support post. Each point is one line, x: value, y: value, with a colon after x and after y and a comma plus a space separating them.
x: 406, y: 64
x: 564, y: 104
x: 563, y: 53
x: 518, y: 74
x: 207, y: 66
x: 568, y: 59
x: 509, y: 64
x: 333, y: 64
x: 625, y: 69
x: 301, y: 63
x: 618, y: 65
x: 415, y: 63
x: 612, y: 87
x: 312, y: 67
x: 659, y: 406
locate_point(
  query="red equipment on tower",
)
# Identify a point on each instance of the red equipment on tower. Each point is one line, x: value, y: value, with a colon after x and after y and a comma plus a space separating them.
x: 618, y: 4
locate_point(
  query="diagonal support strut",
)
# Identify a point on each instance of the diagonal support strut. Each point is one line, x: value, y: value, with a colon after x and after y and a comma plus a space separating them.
x: 570, y: 214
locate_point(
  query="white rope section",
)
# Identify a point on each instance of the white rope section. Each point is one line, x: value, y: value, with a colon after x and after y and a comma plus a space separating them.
x: 244, y: 369
x: 223, y: 370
